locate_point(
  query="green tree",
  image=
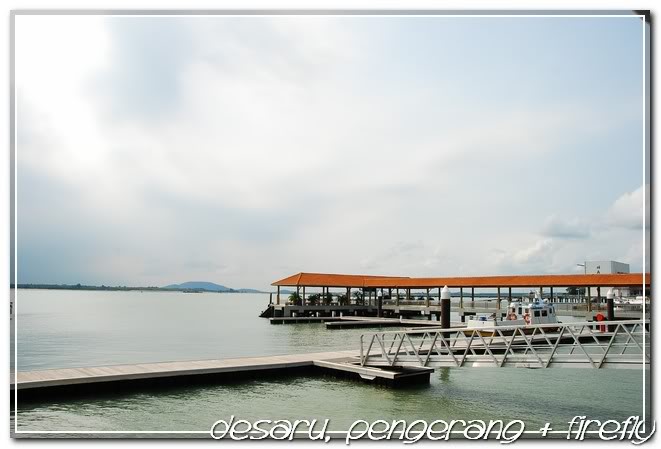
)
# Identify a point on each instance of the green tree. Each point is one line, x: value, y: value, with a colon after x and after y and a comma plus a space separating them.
x: 295, y: 299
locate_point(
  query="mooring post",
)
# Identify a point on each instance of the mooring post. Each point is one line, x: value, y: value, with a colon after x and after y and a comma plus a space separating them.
x: 270, y: 298
x: 445, y: 307
x: 379, y: 299
x: 610, y: 309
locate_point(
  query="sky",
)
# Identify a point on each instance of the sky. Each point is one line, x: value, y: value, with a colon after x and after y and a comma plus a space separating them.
x: 241, y: 150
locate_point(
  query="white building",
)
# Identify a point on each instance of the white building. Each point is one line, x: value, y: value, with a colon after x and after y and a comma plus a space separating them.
x: 607, y: 267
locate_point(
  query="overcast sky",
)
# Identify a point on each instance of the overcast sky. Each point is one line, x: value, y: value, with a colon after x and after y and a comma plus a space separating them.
x: 243, y: 150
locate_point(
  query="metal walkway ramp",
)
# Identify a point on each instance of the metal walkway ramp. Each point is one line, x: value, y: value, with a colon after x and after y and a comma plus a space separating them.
x: 605, y: 344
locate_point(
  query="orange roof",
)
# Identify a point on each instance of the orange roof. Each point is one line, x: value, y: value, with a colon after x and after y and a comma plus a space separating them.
x: 546, y: 280
x: 331, y: 280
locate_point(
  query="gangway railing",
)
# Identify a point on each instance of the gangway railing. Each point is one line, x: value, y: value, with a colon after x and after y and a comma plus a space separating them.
x: 603, y: 344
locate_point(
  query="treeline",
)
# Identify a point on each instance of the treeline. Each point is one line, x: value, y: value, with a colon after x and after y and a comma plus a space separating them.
x: 83, y: 287
x: 125, y: 288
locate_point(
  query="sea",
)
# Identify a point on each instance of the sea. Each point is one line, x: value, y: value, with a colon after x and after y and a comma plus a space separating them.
x: 69, y: 328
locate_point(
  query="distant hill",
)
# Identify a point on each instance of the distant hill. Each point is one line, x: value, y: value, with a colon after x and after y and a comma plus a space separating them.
x: 208, y: 287
x: 196, y: 285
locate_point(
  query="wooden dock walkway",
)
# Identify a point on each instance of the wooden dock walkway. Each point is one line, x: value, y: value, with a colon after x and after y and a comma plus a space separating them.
x: 67, y: 379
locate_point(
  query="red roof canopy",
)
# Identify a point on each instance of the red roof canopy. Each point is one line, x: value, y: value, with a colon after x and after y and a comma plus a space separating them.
x: 546, y: 280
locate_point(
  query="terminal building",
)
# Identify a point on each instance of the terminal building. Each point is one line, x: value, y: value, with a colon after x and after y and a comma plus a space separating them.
x: 608, y: 267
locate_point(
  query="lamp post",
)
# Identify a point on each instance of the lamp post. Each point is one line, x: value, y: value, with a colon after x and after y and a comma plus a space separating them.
x: 585, y: 271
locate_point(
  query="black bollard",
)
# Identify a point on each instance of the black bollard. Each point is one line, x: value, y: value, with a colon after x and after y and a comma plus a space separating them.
x: 610, y: 309
x: 445, y: 308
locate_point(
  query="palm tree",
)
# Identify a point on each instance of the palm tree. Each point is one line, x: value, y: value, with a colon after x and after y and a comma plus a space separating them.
x: 295, y: 299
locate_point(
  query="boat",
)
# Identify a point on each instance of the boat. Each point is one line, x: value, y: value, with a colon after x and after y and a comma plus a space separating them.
x: 519, y: 313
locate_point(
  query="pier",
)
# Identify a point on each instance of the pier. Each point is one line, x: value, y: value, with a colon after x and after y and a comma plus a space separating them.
x: 393, y: 358
x: 344, y: 322
x: 319, y: 295
x: 120, y: 378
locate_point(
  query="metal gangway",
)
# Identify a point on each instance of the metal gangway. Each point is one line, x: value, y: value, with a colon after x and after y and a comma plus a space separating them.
x: 602, y: 344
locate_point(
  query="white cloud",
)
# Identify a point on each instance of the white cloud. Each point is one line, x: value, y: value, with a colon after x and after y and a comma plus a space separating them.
x: 537, y: 257
x: 560, y: 227
x: 627, y: 211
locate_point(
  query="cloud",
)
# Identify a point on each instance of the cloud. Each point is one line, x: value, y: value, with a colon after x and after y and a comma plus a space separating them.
x: 239, y: 150
x: 627, y: 211
x: 537, y: 257
x: 568, y: 228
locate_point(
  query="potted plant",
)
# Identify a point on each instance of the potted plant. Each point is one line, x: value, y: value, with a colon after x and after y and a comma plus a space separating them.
x: 295, y: 299
x: 313, y: 299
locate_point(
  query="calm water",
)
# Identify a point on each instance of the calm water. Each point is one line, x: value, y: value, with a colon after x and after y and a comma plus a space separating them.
x: 59, y: 329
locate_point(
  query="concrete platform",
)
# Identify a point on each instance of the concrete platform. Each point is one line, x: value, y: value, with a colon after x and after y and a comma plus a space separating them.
x: 362, y: 322
x: 302, y: 319
x: 119, y: 378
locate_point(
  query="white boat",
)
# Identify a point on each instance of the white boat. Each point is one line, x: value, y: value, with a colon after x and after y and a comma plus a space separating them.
x: 519, y: 313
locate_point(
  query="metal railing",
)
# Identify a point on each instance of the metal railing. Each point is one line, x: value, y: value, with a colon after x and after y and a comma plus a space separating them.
x: 604, y: 344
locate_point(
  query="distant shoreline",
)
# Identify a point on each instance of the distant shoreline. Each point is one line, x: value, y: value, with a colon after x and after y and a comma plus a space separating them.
x: 124, y: 288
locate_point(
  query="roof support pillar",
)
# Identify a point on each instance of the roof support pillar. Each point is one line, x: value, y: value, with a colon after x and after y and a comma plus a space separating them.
x: 278, y: 297
x: 461, y: 297
x: 498, y: 301
x: 588, y: 300
x: 427, y: 300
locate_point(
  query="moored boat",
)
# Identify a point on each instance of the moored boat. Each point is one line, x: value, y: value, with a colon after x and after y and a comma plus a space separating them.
x: 519, y: 313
